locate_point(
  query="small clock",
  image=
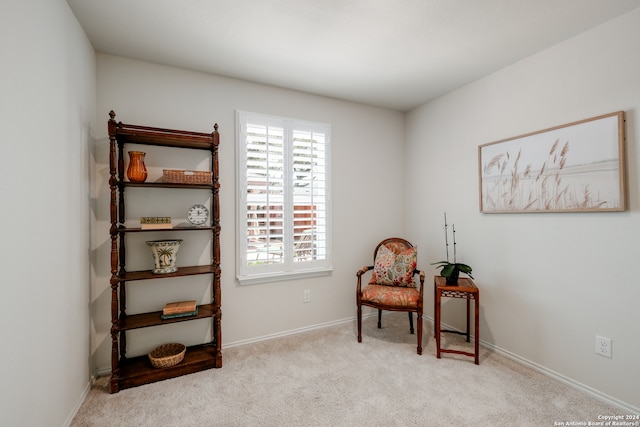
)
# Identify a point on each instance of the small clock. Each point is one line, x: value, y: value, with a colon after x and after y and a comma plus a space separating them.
x: 198, y: 215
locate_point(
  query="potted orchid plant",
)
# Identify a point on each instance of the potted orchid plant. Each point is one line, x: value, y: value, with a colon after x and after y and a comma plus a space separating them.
x: 451, y: 270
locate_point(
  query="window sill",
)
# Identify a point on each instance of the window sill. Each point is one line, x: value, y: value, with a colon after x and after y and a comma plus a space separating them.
x: 255, y: 279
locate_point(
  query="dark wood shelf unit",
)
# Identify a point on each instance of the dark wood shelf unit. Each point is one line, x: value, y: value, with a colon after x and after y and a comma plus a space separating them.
x: 122, y: 229
x: 137, y: 371
x: 128, y: 276
x: 166, y: 185
x: 145, y: 320
x: 134, y: 371
x: 145, y: 135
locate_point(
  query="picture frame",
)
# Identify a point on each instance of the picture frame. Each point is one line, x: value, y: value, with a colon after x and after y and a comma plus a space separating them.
x: 576, y: 167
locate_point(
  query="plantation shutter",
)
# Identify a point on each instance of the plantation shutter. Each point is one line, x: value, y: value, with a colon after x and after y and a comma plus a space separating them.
x: 284, y: 200
x: 309, y: 192
x: 265, y: 193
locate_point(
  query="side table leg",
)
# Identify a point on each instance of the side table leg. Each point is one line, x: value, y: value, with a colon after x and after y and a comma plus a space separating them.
x: 477, y: 327
x: 468, y: 325
x: 436, y: 327
x: 435, y: 291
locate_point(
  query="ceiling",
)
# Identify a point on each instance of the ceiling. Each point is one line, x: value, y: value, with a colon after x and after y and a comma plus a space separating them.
x: 396, y: 54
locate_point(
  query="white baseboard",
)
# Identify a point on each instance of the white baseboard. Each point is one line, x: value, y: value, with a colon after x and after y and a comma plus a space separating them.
x: 292, y: 332
x: 103, y: 372
x: 79, y: 403
x: 624, y: 406
x: 107, y: 370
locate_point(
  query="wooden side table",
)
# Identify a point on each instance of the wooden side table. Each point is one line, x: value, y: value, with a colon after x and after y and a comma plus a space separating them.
x: 464, y: 289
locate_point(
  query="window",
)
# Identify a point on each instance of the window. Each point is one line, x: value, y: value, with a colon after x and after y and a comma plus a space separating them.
x: 283, y: 198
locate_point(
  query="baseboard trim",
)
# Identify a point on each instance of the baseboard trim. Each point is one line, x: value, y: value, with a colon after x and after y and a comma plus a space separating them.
x: 292, y: 332
x: 564, y: 379
x: 107, y: 370
x: 103, y: 372
x: 551, y: 374
x: 426, y: 319
x: 79, y: 403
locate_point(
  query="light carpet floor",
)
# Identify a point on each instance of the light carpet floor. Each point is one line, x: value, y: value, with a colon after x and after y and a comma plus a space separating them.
x: 325, y: 377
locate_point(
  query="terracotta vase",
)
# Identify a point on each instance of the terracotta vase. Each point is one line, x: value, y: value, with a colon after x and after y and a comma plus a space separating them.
x: 137, y: 171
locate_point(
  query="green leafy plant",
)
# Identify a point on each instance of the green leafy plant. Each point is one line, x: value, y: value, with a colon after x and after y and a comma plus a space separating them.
x: 450, y: 270
x: 447, y: 268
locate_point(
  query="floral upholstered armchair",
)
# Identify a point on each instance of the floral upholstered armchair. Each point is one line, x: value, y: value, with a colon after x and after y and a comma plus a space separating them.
x: 391, y: 286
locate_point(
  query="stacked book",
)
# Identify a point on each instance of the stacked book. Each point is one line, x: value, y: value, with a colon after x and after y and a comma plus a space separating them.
x: 155, y: 222
x: 179, y: 309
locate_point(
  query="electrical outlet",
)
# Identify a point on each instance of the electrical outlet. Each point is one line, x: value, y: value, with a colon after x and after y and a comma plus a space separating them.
x: 306, y: 296
x: 603, y: 346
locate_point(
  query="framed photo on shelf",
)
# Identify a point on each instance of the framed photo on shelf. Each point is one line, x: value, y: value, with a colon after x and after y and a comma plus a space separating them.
x: 576, y: 167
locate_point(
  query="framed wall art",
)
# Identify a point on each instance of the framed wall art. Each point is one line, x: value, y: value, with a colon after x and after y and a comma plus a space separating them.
x: 577, y: 167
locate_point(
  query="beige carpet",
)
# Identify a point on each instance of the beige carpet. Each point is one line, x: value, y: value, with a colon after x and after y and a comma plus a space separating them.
x: 325, y: 378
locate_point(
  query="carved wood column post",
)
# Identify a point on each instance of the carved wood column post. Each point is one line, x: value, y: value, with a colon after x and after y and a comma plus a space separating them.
x: 113, y: 181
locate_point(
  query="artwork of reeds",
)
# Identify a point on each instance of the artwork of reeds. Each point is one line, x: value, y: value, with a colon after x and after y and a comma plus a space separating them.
x: 576, y: 167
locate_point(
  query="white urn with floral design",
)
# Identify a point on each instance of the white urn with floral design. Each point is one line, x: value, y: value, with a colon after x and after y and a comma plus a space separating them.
x: 164, y: 255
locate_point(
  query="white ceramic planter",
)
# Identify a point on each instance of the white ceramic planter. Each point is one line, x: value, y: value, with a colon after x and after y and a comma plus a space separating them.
x: 164, y: 255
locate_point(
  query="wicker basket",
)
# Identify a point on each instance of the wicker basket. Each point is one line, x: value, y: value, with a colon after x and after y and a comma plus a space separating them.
x: 167, y: 355
x: 180, y: 176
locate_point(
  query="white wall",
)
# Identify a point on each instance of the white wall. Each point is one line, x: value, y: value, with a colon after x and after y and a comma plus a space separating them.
x: 367, y: 157
x: 549, y: 282
x: 47, y: 103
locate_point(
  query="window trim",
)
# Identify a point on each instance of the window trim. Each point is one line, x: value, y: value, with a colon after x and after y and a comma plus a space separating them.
x: 277, y: 272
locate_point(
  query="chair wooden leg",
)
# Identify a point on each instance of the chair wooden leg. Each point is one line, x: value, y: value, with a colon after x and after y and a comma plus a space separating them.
x: 359, y: 316
x: 379, y: 319
x: 419, y: 332
x: 411, y: 322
